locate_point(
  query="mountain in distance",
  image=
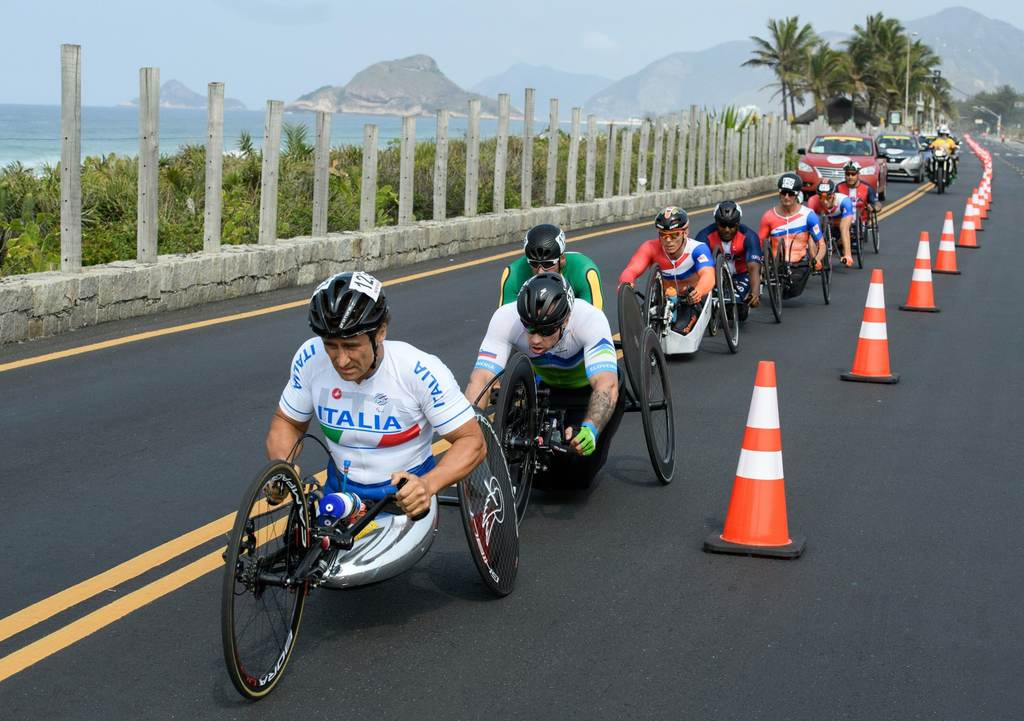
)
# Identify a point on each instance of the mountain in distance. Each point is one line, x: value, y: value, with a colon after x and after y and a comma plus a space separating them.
x: 711, y: 77
x: 977, y: 52
x: 174, y: 94
x: 571, y: 89
x: 410, y: 86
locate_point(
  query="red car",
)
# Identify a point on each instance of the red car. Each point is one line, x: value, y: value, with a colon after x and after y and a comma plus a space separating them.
x: 829, y: 153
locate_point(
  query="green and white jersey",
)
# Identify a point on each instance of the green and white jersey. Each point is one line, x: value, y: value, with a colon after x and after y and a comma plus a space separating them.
x: 584, y: 349
x: 580, y: 271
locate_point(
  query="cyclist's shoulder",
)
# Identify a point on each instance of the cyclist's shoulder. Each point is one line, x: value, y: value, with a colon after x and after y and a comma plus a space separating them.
x: 405, y: 361
x: 576, y: 261
x: 310, y: 354
x: 587, y: 316
x: 705, y: 233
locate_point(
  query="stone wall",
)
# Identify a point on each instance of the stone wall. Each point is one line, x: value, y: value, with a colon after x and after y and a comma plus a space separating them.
x: 42, y: 304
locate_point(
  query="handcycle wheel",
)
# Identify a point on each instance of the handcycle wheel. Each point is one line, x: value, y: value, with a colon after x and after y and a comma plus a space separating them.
x: 631, y: 327
x: 857, y: 240
x: 725, y: 300
x: 654, y: 302
x: 259, y: 620
x: 773, y: 278
x: 656, y: 408
x: 876, y: 241
x: 487, y: 507
x: 826, y: 276
x: 515, y: 417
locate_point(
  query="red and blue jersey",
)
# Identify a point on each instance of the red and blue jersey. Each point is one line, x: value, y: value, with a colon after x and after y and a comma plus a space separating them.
x: 860, y: 195
x: 842, y: 207
x: 694, y: 256
x: 796, y: 230
x: 744, y: 248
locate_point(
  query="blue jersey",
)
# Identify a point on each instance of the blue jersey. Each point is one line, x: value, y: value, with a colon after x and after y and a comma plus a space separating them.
x: 744, y: 248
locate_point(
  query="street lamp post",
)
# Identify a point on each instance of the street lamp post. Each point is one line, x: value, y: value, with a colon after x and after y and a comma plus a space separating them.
x: 997, y: 116
x: 906, y: 90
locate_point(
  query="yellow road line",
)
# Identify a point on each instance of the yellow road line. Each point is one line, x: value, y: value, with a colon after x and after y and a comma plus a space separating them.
x: 134, y: 338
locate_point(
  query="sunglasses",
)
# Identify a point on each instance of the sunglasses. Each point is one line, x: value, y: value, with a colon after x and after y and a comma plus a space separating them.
x: 788, y: 192
x: 852, y: 172
x: 727, y: 226
x: 545, y: 331
x: 671, y: 234
x: 544, y: 264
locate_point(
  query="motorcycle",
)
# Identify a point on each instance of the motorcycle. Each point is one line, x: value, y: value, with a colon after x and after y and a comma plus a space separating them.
x: 940, y: 169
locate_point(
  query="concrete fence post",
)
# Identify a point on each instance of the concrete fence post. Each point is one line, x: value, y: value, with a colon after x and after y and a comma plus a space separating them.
x: 641, y: 157
x: 407, y: 170
x: 683, y: 124
x: 71, y: 158
x: 609, y: 163
x: 368, y: 184
x: 659, y: 145
x: 551, y: 178
x: 712, y: 176
x: 441, y: 166
x: 573, y: 160
x: 590, y: 176
x: 627, y: 159
x: 670, y: 152
x: 501, y: 154
x: 268, y: 178
x: 214, y: 167
x: 733, y: 144
x: 149, y: 165
x: 321, y: 176
x: 691, y: 148
x: 762, y: 146
x: 703, y: 134
x: 472, y: 159
x: 719, y: 150
x: 526, y: 182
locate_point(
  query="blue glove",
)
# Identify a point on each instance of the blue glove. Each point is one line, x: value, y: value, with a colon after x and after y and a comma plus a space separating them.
x: 586, y: 438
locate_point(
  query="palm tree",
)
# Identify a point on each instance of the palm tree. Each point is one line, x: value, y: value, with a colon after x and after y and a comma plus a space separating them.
x: 784, y: 53
x: 824, y: 75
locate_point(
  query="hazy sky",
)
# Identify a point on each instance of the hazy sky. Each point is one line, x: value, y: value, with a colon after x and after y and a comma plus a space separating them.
x: 277, y: 49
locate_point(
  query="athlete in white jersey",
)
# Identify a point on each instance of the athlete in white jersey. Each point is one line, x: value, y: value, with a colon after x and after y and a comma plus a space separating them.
x: 568, y: 342
x: 377, y: 402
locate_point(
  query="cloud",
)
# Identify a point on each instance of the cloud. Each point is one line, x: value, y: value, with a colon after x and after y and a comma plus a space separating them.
x: 278, y: 13
x: 599, y: 42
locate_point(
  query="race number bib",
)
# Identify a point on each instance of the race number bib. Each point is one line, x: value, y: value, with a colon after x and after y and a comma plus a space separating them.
x: 366, y: 284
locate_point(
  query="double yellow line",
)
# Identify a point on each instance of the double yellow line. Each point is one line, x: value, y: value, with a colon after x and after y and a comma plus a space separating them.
x: 94, y: 621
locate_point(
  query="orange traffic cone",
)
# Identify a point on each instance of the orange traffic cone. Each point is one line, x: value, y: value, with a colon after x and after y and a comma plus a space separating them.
x: 968, y: 238
x: 971, y: 211
x: 922, y: 294
x: 871, y: 361
x: 945, y: 259
x: 756, y: 523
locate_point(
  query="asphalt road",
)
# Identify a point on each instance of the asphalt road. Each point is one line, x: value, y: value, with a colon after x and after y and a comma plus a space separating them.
x: 905, y: 605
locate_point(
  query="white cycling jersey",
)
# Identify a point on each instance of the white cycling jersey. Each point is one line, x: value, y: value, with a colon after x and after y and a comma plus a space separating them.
x: 383, y: 424
x: 585, y: 347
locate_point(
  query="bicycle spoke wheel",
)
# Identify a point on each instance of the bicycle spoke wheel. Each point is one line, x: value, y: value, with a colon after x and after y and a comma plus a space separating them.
x: 728, y: 313
x: 515, y: 419
x: 654, y: 305
x: 773, y: 279
x: 876, y: 241
x: 857, y: 241
x: 826, y: 278
x: 488, y: 517
x: 656, y: 409
x: 260, y: 615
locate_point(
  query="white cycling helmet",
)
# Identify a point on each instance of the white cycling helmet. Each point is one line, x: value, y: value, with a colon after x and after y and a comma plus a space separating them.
x: 943, y: 130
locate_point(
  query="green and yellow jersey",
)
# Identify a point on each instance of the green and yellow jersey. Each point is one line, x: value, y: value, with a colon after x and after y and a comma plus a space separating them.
x: 579, y: 270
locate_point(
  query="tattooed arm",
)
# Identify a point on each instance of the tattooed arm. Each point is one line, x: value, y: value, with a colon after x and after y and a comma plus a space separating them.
x: 603, y: 398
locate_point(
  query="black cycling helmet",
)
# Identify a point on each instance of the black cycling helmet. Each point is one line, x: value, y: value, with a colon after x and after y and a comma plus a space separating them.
x: 825, y: 186
x: 790, y: 182
x: 544, y: 302
x: 728, y: 212
x: 671, y: 218
x: 348, y: 304
x: 851, y: 166
x: 544, y: 243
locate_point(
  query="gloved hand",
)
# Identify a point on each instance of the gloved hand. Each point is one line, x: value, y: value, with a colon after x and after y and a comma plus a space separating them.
x: 584, y: 441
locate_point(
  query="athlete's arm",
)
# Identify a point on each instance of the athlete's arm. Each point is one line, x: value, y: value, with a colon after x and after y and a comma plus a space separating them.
x: 705, y: 264
x: 640, y: 262
x: 295, y: 406
x: 493, y: 354
x: 752, y: 248
x: 466, y: 452
x: 594, y: 286
x: 283, y: 434
x: 503, y: 289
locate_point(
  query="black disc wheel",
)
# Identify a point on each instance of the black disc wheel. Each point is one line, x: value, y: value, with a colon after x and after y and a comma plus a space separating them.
x: 515, y: 422
x: 654, y: 302
x: 725, y: 301
x: 487, y: 506
x: 656, y: 408
x: 631, y: 328
x: 773, y: 278
x: 260, y: 612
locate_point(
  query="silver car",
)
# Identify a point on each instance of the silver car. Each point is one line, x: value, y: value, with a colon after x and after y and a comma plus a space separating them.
x: 903, y: 155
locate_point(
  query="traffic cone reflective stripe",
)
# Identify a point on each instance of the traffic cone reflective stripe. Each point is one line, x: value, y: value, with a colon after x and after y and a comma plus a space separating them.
x: 945, y: 259
x: 972, y: 212
x: 922, y: 293
x: 968, y: 238
x: 871, y: 361
x: 756, y: 523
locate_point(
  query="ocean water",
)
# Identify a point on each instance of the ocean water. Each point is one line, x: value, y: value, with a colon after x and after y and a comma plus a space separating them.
x: 30, y: 134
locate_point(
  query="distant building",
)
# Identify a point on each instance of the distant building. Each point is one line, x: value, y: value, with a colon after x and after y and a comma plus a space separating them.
x: 838, y: 110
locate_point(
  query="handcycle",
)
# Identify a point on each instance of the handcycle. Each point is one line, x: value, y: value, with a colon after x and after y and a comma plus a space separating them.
x: 280, y: 550
x: 789, y: 285
x: 870, y: 227
x: 530, y: 429
x: 718, y: 311
x: 771, y: 280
